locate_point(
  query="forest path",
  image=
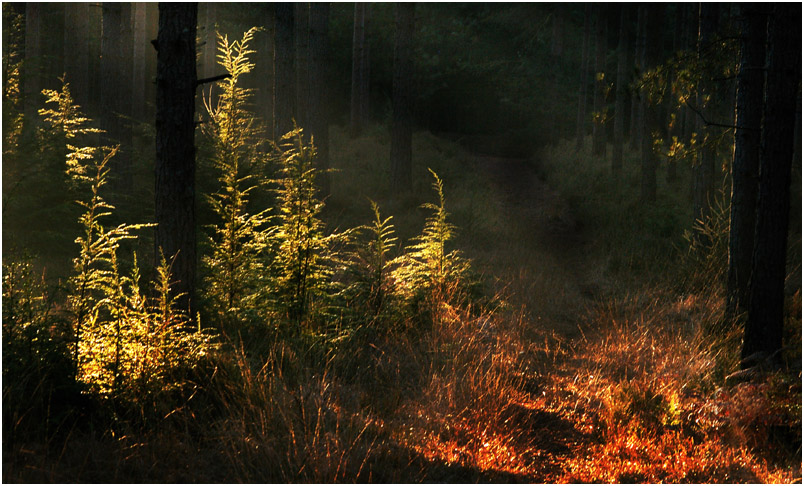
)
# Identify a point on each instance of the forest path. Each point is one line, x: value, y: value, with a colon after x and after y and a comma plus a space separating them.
x: 543, y: 253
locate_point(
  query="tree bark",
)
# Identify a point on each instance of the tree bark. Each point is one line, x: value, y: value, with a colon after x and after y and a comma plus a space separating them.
x: 175, y: 150
x: 557, y: 39
x: 301, y: 38
x: 138, y: 78
x: 598, y: 125
x: 637, y: 129
x: 319, y: 92
x: 359, y: 64
x: 677, y: 115
x: 284, y: 71
x: 704, y: 171
x: 650, y: 104
x: 745, y: 167
x: 402, y: 129
x: 32, y: 66
x: 115, y: 89
x: 764, y: 328
x: 583, y: 86
x: 76, y: 51
x: 622, y: 93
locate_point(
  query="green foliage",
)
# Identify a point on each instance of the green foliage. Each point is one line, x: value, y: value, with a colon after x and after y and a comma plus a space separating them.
x: 120, y: 344
x: 427, y: 266
x: 236, y: 275
x: 304, y: 259
x: 372, y: 290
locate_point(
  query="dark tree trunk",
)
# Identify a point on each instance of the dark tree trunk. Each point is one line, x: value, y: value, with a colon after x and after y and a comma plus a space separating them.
x: 651, y: 119
x: 598, y: 126
x: 557, y: 40
x: 763, y: 331
x: 175, y: 150
x: 115, y: 89
x: 359, y: 94
x: 637, y: 129
x: 284, y: 71
x: 32, y: 68
x: 704, y: 171
x: 301, y: 41
x: 210, y: 42
x: 402, y: 129
x: 319, y: 92
x: 583, y: 87
x: 264, y: 67
x: 138, y: 78
x: 622, y: 93
x: 676, y: 121
x: 76, y: 51
x: 690, y: 43
x: 745, y: 168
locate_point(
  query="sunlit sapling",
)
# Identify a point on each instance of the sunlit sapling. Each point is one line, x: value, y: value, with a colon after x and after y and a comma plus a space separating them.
x: 427, y: 266
x: 304, y: 258
x: 235, y: 272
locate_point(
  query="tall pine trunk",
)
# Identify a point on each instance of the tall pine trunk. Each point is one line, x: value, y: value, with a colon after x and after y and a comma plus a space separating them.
x: 745, y: 168
x: 651, y: 120
x: 284, y: 71
x: 139, y: 43
x: 359, y: 71
x: 598, y: 126
x: 764, y: 329
x: 402, y: 128
x: 621, y: 94
x: 175, y: 150
x: 583, y: 87
x: 704, y: 169
x: 76, y: 51
x: 319, y: 92
x: 637, y: 130
x: 301, y: 41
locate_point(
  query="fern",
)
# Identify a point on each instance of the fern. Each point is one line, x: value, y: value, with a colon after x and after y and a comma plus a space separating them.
x: 427, y: 266
x: 303, y: 257
x: 234, y: 284
x: 371, y: 265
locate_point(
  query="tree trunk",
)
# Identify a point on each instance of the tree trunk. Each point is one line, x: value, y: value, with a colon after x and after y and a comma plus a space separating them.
x: 676, y: 115
x: 651, y: 119
x: 76, y: 51
x: 210, y: 40
x: 114, y: 92
x: 745, y: 168
x: 705, y: 168
x: 637, y: 130
x: 402, y: 129
x: 763, y: 331
x: 622, y: 93
x: 175, y: 150
x: 284, y: 71
x: 32, y: 67
x: 557, y: 40
x: 264, y: 67
x: 580, y: 130
x: 598, y: 126
x: 359, y: 64
x: 301, y: 38
x: 319, y: 92
x: 138, y: 78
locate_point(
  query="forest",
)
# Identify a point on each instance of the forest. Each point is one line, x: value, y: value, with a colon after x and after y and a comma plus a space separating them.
x: 401, y: 242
